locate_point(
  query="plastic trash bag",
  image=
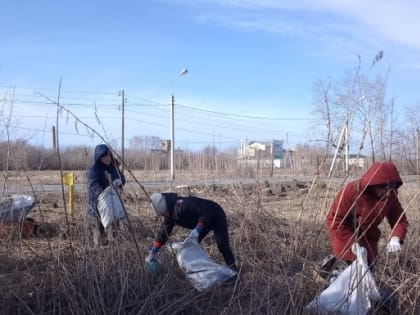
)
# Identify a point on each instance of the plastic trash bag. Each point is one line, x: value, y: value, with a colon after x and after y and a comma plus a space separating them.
x: 352, y: 292
x: 16, y: 207
x: 110, y: 207
x: 202, y: 272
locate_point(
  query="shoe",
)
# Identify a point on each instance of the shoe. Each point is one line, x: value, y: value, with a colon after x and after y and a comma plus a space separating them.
x: 324, y: 268
x: 387, y: 304
x: 326, y: 271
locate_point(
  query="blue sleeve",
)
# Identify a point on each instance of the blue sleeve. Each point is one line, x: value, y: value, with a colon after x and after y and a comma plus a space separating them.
x: 94, y: 189
x: 115, y: 173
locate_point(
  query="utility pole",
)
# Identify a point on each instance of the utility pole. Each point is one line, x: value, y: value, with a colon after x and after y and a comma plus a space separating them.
x: 54, y: 139
x: 122, y: 131
x: 346, y: 148
x: 172, y: 138
x: 272, y: 158
x: 287, y: 150
x: 417, y: 152
x: 183, y: 72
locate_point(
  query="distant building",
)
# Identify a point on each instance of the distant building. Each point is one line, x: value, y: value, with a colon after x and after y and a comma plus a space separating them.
x: 250, y: 149
x: 266, y: 152
x: 357, y: 160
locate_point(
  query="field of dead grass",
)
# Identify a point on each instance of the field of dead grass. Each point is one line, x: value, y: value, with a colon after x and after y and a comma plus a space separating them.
x: 277, y: 235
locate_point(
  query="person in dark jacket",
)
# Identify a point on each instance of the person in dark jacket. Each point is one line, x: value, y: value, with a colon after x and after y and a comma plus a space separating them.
x: 99, y: 174
x: 360, y: 207
x: 200, y: 215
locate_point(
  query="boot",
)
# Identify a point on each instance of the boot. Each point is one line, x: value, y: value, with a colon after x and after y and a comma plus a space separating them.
x: 329, y: 267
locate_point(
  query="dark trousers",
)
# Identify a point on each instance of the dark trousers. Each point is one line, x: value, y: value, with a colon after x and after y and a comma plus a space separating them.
x: 221, y: 234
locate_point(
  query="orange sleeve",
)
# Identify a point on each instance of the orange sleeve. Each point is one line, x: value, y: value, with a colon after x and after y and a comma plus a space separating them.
x: 340, y: 232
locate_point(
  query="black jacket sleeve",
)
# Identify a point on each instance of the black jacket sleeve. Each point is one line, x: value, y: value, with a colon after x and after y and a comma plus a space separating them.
x: 115, y: 173
x: 165, y: 230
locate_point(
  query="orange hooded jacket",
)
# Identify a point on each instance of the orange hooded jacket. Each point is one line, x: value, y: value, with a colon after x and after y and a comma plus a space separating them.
x: 356, y: 212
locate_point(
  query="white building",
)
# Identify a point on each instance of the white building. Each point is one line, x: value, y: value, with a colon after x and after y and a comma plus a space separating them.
x: 266, y: 152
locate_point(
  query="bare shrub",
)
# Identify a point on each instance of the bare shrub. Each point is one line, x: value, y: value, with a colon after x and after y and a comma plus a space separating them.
x: 277, y: 238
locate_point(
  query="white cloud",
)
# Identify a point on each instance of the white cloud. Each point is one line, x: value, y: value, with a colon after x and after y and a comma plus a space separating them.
x: 368, y: 25
x: 396, y: 21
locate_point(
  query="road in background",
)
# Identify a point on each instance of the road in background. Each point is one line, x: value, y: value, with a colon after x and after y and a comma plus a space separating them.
x: 149, y: 185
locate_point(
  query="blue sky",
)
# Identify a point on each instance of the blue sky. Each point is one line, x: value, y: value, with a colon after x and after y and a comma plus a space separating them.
x: 251, y: 65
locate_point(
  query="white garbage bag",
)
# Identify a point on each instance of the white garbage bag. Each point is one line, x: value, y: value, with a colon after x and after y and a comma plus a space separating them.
x: 110, y: 207
x: 202, y: 272
x: 352, y: 292
x: 15, y: 208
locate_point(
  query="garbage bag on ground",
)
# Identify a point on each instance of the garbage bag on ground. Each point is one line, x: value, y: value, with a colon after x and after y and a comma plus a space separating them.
x: 202, y: 272
x: 352, y: 292
x: 15, y: 208
x: 110, y: 207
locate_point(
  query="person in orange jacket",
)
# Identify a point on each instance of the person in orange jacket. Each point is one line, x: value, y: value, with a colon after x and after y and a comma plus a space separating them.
x: 359, y: 208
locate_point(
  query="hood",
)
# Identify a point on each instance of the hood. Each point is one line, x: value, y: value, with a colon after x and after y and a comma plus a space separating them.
x: 381, y: 173
x: 100, y: 151
x: 159, y: 203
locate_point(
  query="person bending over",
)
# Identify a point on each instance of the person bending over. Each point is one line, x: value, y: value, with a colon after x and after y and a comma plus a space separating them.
x: 200, y: 215
x: 359, y: 208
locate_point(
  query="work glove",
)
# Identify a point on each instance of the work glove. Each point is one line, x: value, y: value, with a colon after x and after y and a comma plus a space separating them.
x: 150, y: 257
x: 194, y: 234
x: 117, y: 182
x: 394, y: 245
x: 151, y: 263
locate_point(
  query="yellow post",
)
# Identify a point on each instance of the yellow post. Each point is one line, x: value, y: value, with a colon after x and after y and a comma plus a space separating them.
x: 71, y: 199
x: 68, y: 179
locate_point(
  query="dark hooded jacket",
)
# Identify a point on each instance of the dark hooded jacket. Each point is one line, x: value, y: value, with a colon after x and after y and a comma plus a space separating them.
x: 356, y: 212
x: 187, y: 212
x: 97, y: 176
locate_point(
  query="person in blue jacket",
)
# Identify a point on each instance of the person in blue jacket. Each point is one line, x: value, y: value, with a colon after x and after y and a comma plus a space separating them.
x: 100, y: 174
x: 200, y: 215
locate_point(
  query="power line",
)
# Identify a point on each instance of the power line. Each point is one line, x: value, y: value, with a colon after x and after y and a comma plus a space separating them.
x: 157, y: 104
x: 16, y: 87
x: 239, y: 115
x: 194, y: 118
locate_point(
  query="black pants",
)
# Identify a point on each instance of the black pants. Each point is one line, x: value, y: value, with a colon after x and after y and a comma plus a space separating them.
x: 221, y: 234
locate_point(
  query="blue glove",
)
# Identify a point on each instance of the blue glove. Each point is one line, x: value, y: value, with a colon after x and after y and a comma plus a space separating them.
x: 195, y: 233
x: 151, y: 263
x: 152, y: 266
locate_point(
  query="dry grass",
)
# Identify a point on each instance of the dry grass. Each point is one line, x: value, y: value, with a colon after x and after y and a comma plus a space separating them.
x: 277, y: 235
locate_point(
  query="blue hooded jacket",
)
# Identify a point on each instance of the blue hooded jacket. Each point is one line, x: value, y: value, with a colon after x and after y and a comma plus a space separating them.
x: 97, y: 176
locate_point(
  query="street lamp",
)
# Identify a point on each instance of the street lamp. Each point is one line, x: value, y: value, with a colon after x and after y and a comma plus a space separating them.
x: 183, y: 72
